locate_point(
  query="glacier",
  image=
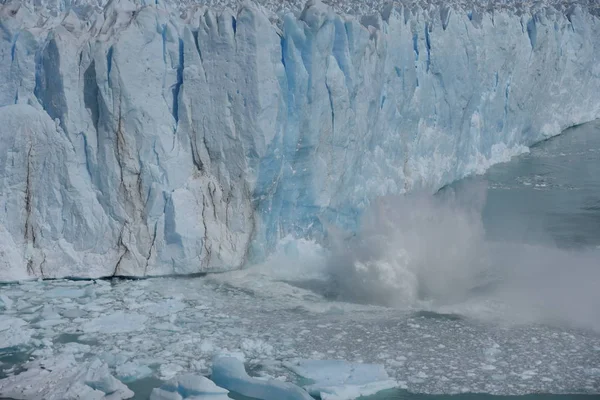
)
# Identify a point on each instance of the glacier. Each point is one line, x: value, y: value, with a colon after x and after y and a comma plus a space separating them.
x: 146, y: 138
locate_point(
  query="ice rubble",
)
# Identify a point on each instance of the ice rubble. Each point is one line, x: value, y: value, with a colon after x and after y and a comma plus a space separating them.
x: 62, y: 378
x: 137, y: 140
x: 271, y: 325
x: 13, y: 332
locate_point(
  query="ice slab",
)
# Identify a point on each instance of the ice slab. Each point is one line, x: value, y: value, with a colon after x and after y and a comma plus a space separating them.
x: 62, y: 378
x: 189, y: 386
x: 160, y: 394
x: 130, y: 371
x: 229, y: 372
x: 342, y: 380
x: 5, y: 302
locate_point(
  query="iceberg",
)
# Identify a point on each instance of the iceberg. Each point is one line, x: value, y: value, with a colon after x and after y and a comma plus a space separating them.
x: 229, y: 373
x: 189, y: 387
x: 148, y: 138
x: 342, y: 380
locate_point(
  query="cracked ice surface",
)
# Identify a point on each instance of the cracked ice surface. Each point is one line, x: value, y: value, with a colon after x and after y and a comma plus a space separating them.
x: 169, y: 327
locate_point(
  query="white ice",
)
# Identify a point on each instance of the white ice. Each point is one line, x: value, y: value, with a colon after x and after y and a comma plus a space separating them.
x: 342, y: 380
x: 62, y: 378
x: 13, y: 331
x: 229, y: 372
x: 189, y: 386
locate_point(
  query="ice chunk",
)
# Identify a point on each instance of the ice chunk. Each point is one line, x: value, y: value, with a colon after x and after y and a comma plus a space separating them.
x: 61, y: 378
x: 168, y: 371
x: 256, y: 348
x: 189, y: 386
x: 118, y: 322
x: 165, y: 308
x: 5, y: 302
x: 160, y: 394
x: 229, y: 372
x: 73, y: 313
x: 340, y: 380
x: 12, y: 332
x: 131, y: 371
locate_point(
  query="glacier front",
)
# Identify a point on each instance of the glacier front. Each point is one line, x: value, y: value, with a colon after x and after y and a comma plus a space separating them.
x: 143, y: 138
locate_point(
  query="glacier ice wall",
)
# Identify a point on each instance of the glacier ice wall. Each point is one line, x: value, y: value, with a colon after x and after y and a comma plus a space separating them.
x: 136, y: 140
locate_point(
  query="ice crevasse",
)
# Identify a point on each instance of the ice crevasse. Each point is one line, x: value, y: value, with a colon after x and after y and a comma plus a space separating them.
x: 139, y: 140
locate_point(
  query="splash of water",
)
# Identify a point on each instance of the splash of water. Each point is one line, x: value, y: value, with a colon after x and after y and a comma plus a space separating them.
x: 413, y: 249
x: 424, y: 251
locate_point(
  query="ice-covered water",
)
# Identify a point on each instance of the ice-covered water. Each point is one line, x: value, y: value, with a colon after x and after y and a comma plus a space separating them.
x: 528, y: 328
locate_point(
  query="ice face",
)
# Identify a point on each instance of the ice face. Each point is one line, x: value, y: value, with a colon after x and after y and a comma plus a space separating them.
x: 136, y: 140
x: 63, y: 378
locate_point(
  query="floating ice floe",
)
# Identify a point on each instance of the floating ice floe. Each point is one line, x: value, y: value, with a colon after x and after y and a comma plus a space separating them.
x: 118, y: 322
x: 130, y: 372
x: 12, y: 332
x: 63, y: 378
x: 342, y: 380
x: 229, y: 372
x: 5, y: 302
x: 193, y: 387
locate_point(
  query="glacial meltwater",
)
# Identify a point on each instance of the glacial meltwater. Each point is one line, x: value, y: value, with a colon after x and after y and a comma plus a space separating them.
x: 502, y: 300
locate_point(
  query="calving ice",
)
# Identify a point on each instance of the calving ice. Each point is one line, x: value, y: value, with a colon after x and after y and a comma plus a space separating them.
x: 161, y: 137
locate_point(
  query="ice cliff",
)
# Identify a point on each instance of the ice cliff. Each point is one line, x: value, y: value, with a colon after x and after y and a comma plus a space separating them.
x: 152, y: 137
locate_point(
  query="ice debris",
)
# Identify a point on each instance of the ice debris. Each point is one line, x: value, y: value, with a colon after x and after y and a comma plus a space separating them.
x: 62, y: 378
